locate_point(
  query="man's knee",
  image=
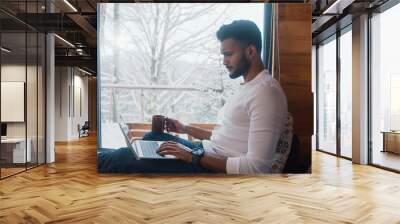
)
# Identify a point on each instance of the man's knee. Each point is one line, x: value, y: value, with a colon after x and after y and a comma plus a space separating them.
x: 114, y: 161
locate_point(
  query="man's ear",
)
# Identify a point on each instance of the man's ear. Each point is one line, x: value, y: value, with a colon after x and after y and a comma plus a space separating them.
x: 251, y: 51
x: 246, y: 52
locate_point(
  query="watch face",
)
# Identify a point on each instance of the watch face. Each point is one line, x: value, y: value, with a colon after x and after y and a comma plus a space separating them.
x: 198, y: 151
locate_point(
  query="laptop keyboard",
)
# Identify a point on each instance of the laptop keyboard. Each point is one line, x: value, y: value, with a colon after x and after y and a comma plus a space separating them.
x: 149, y: 149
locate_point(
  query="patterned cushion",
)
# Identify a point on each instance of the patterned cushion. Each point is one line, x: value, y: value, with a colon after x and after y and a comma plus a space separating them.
x: 283, y: 147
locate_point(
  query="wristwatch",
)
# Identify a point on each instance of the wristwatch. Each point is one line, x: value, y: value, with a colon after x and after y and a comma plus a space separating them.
x: 197, y: 153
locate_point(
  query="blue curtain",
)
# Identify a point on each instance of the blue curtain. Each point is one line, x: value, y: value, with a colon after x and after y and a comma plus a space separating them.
x: 268, y: 36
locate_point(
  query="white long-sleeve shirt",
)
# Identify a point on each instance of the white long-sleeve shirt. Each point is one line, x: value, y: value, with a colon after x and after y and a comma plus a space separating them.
x: 252, y: 122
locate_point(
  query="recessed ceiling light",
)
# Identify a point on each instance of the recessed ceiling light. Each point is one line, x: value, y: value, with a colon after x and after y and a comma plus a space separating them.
x: 338, y: 6
x: 70, y: 5
x: 65, y: 41
x: 84, y: 71
x: 5, y: 50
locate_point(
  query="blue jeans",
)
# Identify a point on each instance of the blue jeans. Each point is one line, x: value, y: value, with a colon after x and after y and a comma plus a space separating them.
x: 123, y: 161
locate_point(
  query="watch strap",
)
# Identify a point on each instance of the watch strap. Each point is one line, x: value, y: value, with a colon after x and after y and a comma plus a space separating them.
x: 197, y: 154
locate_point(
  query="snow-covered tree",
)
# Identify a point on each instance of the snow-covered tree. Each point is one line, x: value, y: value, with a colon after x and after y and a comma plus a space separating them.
x: 170, y: 44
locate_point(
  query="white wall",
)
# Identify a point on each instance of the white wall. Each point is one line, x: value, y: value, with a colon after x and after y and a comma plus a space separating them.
x: 80, y: 85
x: 61, y: 103
x: 70, y: 83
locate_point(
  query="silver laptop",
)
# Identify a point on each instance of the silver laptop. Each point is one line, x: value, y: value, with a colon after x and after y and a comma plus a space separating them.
x: 143, y: 149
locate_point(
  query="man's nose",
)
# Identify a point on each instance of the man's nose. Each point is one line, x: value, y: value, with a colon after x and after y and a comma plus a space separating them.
x: 225, y: 61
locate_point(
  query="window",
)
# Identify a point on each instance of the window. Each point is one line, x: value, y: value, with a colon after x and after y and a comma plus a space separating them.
x: 385, y: 85
x: 165, y: 59
x: 394, y: 101
x: 314, y: 91
x: 346, y: 94
x: 327, y: 96
x: 329, y: 68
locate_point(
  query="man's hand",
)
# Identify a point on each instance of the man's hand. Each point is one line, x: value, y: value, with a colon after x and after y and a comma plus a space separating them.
x: 175, y: 126
x: 178, y: 150
x: 209, y: 160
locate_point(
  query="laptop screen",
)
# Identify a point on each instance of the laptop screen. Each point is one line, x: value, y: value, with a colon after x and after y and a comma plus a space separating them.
x: 128, y: 138
x: 125, y: 130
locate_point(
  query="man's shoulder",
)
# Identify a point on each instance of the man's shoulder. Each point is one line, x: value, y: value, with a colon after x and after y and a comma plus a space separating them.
x: 267, y: 92
x: 266, y: 85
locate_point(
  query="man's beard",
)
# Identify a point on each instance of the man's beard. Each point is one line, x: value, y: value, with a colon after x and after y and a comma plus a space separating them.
x: 242, y: 68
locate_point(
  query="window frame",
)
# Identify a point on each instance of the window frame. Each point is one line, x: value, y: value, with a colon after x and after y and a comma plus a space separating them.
x: 333, y: 37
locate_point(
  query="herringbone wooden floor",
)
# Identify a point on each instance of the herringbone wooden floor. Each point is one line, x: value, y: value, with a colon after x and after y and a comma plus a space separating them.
x: 71, y: 191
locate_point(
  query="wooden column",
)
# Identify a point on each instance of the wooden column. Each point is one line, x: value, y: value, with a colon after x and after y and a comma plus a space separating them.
x: 294, y: 49
x: 92, y: 100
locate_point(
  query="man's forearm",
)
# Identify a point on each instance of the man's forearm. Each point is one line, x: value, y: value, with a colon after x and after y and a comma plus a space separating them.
x: 198, y: 133
x: 214, y: 162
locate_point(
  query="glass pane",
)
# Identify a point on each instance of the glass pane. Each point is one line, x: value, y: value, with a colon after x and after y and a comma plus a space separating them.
x: 13, y: 86
x: 346, y: 94
x: 327, y: 97
x: 31, y: 98
x: 314, y: 91
x: 31, y: 88
x: 386, y: 89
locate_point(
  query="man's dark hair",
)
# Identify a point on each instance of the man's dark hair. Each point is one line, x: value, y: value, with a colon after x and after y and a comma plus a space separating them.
x: 244, y: 31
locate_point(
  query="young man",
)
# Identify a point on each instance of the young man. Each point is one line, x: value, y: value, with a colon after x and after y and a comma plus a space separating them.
x: 254, y: 118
